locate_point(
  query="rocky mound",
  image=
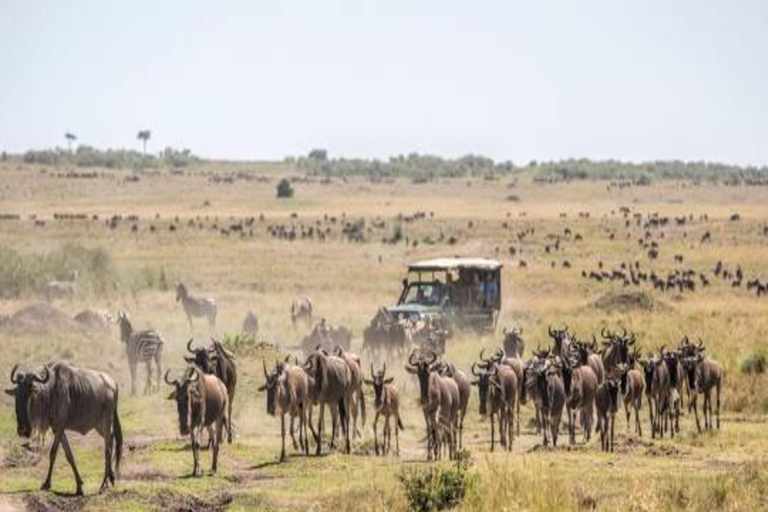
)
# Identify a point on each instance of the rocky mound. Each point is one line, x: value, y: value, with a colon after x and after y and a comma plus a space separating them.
x: 41, y: 318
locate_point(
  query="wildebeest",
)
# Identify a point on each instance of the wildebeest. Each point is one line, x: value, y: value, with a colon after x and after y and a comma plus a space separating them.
x: 561, y: 342
x: 607, y: 403
x: 357, y: 397
x: 465, y: 389
x: 513, y: 342
x: 62, y: 289
x: 544, y: 383
x: 439, y: 398
x: 218, y: 361
x: 143, y: 346
x: 386, y: 403
x: 580, y: 384
x: 287, y: 388
x: 251, y: 324
x: 201, y: 402
x: 631, y: 387
x: 301, y: 308
x: 513, y: 362
x: 196, y: 306
x: 497, y: 390
x: 657, y: 389
x: 384, y: 332
x: 704, y: 376
x: 63, y: 397
x: 332, y: 387
x: 327, y: 337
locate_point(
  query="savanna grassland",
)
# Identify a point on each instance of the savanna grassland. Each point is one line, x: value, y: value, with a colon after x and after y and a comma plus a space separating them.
x: 247, y: 269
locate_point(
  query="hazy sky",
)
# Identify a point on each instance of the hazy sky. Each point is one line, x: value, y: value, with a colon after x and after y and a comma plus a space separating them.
x: 519, y: 80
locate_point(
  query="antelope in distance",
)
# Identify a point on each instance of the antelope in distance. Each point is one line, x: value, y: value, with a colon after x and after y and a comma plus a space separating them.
x: 196, y: 306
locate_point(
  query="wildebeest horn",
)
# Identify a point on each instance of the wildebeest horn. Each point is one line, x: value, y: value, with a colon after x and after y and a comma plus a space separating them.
x: 504, y: 331
x: 196, y: 373
x: 337, y: 350
x: 384, y: 369
x: 264, y: 364
x: 632, y: 339
x: 410, y: 359
x: 474, y: 365
x: 661, y: 350
x: 434, y: 358
x: 170, y: 382
x: 189, y: 346
x: 13, y: 375
x: 623, y: 332
x: 41, y: 379
x: 287, y: 358
x: 499, y: 354
x: 605, y: 333
x: 373, y: 374
x: 565, y: 328
x: 549, y: 329
x: 686, y: 341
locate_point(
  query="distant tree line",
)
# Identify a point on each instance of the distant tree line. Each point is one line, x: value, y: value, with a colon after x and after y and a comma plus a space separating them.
x: 423, y: 168
x: 88, y: 156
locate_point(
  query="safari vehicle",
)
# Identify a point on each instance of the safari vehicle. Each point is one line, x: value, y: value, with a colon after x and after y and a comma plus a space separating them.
x: 464, y: 293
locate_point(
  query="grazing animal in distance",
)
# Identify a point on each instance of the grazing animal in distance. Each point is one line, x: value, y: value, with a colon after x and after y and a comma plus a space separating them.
x: 141, y: 346
x: 513, y: 342
x: 251, y: 325
x: 201, y: 402
x: 95, y: 319
x: 196, y: 306
x: 387, y: 404
x: 63, y: 397
x: 301, y: 309
x: 62, y: 289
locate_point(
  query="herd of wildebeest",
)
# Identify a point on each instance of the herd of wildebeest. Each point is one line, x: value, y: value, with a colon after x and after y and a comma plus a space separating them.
x: 581, y: 376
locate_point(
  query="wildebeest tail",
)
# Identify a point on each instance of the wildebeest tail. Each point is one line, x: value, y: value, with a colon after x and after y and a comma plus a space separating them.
x: 343, y: 413
x: 400, y: 423
x: 117, y: 432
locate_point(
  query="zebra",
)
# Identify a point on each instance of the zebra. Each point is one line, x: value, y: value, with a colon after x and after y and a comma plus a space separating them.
x: 196, y: 306
x: 141, y: 346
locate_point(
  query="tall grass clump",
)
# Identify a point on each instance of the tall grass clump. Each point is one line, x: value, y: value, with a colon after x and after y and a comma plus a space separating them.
x: 438, y: 487
x: 754, y: 363
x: 23, y: 275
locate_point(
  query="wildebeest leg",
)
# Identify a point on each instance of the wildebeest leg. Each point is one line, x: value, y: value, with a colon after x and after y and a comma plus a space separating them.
x: 375, y: 434
x: 282, y: 435
x: 650, y: 416
x: 397, y: 435
x: 216, y: 443
x: 517, y: 416
x: 106, y: 433
x: 71, y: 460
x: 344, y: 405
x: 334, y: 408
x: 387, y: 435
x: 493, y: 426
x: 613, y: 422
x: 717, y: 411
x: 293, y: 436
x: 638, y: 404
x: 51, y: 459
x: 195, y: 450
x: 319, y: 434
x: 695, y: 412
x: 571, y: 433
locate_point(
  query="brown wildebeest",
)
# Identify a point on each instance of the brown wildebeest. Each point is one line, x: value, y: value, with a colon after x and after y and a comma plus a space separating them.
x: 201, y: 401
x: 332, y: 387
x: 287, y: 388
x: 219, y: 361
x: 63, y: 397
x: 387, y: 403
x: 497, y: 389
x: 704, y: 375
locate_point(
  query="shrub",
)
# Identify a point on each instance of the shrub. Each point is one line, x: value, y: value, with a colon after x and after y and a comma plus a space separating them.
x: 753, y: 364
x: 438, y: 487
x: 284, y: 189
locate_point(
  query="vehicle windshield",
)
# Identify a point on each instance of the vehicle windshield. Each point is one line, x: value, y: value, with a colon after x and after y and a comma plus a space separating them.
x: 426, y: 294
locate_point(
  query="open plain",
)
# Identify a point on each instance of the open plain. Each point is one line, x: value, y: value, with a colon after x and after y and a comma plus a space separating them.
x: 218, y: 227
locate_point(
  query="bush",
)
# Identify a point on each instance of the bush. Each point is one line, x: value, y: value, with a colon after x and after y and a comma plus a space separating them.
x: 753, y: 364
x: 439, y: 487
x: 284, y: 189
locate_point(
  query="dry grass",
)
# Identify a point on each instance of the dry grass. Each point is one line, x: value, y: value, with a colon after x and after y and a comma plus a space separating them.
x: 347, y: 282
